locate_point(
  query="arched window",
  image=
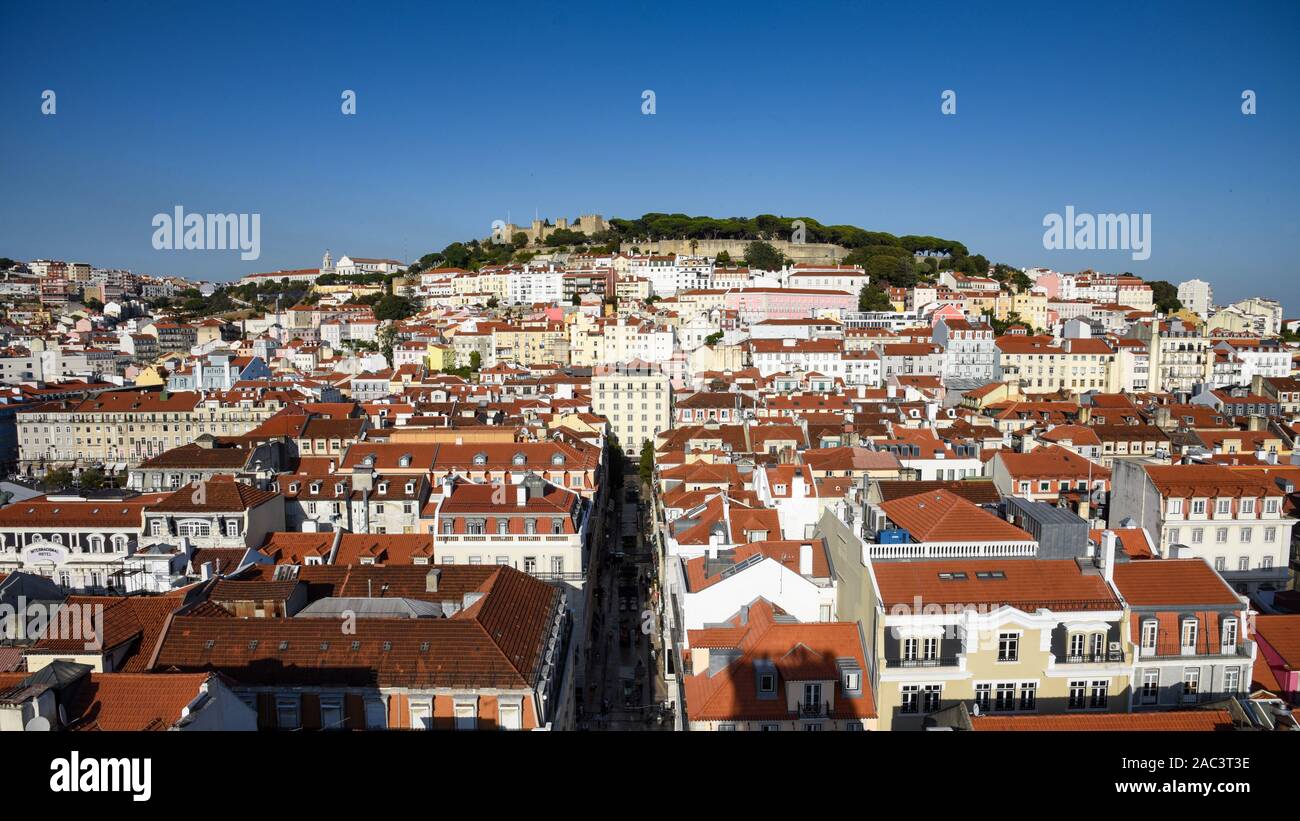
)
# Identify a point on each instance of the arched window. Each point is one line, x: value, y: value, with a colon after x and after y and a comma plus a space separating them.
x: 519, y: 459
x: 480, y: 458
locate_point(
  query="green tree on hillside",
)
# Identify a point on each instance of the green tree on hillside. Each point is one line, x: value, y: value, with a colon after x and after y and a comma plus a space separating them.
x: 763, y: 256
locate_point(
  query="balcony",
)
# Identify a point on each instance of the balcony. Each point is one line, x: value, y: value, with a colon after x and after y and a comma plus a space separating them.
x: 815, y: 710
x: 1174, y: 649
x: 1095, y: 658
x: 944, y: 661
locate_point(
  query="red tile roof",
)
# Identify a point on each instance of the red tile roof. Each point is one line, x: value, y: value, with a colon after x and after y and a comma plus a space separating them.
x: 1178, y: 720
x: 943, y: 516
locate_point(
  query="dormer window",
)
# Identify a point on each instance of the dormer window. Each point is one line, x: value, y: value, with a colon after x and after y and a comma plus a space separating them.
x: 338, y: 489
x: 851, y: 681
x: 767, y: 683
x: 383, y: 487
x: 1229, y: 634
x: 480, y: 458
x: 1189, y: 634
x: 369, y: 461
x: 410, y: 488
x: 1150, y: 629
x: 519, y: 459
x: 557, y: 459
x: 405, y: 461
x: 315, y: 487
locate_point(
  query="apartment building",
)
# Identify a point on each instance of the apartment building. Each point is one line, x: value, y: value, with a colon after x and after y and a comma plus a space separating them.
x: 1233, y: 520
x: 491, y: 651
x: 533, y: 526
x: 1190, y: 631
x: 1026, y: 636
x: 765, y: 672
x: 636, y: 398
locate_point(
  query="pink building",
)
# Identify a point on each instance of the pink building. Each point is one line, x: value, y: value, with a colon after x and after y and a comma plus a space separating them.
x: 757, y: 304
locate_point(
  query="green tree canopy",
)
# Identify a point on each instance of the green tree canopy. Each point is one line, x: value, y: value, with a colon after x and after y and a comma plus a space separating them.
x: 763, y: 256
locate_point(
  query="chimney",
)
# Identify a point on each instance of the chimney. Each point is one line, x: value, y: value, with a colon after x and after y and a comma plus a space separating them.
x: 805, y: 559
x: 1108, y: 554
x: 431, y: 580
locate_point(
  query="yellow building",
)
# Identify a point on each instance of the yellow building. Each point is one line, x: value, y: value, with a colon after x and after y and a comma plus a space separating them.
x: 1013, y: 636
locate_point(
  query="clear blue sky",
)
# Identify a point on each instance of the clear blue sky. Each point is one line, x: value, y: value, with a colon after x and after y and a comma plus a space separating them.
x: 471, y: 111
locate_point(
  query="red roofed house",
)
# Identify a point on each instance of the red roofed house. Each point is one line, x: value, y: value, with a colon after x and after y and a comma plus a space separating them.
x: 765, y: 671
x: 1190, y: 628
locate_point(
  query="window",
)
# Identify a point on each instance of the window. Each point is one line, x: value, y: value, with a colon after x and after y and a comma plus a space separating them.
x: 466, y: 715
x: 1247, y: 506
x: 1232, y: 679
x: 910, y: 699
x: 286, y: 713
x: 1149, y: 631
x: 1189, y: 634
x: 982, y: 699
x: 1243, y: 564
x: 767, y: 683
x: 909, y: 649
x: 331, y: 714
x: 1220, y: 564
x: 1221, y: 535
x: 812, y: 694
x: 1247, y: 533
x: 1029, y: 696
x: 1270, y: 535
x: 1076, y: 644
x: 1222, y: 507
x: 232, y: 528
x: 1150, y: 686
x: 1191, y: 684
x: 1078, y: 694
x: 932, y: 694
x: 508, y: 717
x: 421, y: 716
x: 1198, y: 507
x: 1198, y: 535
x: 1008, y: 647
x: 194, y: 528
x: 1229, y: 633
x: 930, y: 648
x: 1099, y: 695
x: 1006, y: 697
x: 1267, y: 563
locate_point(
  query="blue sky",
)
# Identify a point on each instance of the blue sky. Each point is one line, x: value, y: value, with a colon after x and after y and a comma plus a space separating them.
x: 469, y: 112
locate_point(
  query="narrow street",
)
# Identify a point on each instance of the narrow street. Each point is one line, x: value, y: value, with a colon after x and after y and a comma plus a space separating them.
x: 624, y: 690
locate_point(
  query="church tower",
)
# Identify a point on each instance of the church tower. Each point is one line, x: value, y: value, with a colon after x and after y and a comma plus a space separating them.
x: 327, y: 264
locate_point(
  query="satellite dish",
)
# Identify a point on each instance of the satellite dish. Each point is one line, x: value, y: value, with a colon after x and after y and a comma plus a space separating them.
x: 975, y: 710
x: 40, y: 724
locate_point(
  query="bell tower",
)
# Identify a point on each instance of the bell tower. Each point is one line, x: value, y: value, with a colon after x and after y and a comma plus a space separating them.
x: 327, y: 264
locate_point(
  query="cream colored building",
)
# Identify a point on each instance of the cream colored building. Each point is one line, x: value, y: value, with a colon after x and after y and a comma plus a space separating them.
x: 636, y: 398
x: 972, y: 631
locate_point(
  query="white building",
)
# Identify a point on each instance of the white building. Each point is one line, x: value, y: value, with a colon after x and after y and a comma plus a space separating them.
x: 1197, y: 296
